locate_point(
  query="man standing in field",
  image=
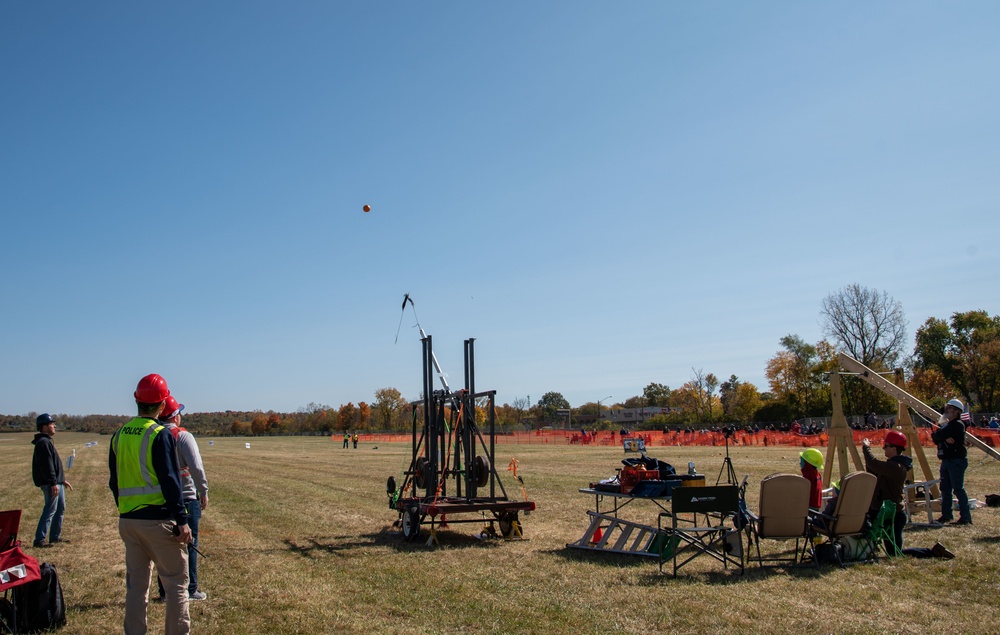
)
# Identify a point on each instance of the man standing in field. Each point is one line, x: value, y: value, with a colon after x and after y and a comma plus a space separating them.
x: 47, y: 473
x: 950, y: 440
x: 194, y: 484
x: 152, y: 520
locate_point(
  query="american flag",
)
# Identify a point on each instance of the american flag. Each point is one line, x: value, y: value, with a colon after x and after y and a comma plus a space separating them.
x: 965, y: 417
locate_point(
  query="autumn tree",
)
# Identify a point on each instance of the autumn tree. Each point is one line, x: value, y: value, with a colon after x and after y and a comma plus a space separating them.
x: 966, y: 352
x: 364, y: 416
x: 930, y: 386
x: 259, y: 425
x: 739, y: 399
x: 388, y: 407
x: 347, y: 417
x: 744, y: 403
x: 797, y: 376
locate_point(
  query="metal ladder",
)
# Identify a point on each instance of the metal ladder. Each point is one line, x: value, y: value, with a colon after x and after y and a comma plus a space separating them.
x: 618, y: 536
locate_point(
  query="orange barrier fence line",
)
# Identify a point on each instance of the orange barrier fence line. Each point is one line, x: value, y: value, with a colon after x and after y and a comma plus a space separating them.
x: 699, y: 438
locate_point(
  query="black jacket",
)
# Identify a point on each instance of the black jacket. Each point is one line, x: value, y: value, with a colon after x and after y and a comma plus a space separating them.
x: 954, y: 430
x: 46, y: 468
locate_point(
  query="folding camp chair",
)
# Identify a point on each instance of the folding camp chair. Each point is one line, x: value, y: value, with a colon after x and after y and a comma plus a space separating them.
x: 16, y: 568
x: 783, y: 515
x: 697, y: 526
x: 882, y: 531
x: 850, y: 517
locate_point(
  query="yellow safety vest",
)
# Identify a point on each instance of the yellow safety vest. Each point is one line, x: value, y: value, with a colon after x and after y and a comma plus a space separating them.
x: 138, y: 486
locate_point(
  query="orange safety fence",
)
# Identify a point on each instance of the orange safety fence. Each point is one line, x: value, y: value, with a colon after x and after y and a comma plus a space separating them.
x: 679, y: 438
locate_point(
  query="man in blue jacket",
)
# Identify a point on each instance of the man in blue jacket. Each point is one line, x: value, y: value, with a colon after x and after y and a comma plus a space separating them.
x: 47, y: 473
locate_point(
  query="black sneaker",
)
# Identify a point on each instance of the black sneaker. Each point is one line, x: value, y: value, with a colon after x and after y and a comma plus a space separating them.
x: 944, y: 519
x: 962, y: 521
x: 41, y: 545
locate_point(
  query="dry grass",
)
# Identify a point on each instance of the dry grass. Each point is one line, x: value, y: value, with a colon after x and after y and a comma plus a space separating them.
x: 300, y: 541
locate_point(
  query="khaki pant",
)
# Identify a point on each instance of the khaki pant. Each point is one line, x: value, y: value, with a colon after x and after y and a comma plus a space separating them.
x: 149, y: 542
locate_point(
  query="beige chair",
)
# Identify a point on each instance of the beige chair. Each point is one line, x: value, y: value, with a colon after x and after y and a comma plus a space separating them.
x: 850, y: 516
x: 783, y: 515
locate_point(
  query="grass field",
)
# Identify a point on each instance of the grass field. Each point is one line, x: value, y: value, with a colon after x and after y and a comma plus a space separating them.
x: 300, y: 540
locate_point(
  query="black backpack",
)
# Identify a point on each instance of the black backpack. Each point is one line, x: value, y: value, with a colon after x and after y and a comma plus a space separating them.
x: 40, y: 604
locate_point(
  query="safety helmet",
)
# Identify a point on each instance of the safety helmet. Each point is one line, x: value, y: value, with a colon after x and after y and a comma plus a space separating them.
x: 955, y: 403
x: 44, y: 419
x: 836, y: 485
x: 152, y: 389
x: 813, y: 457
x: 895, y: 437
x: 171, y: 408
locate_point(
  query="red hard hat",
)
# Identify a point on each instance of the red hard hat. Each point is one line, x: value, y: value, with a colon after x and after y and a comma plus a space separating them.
x: 895, y: 437
x: 171, y: 408
x: 152, y: 389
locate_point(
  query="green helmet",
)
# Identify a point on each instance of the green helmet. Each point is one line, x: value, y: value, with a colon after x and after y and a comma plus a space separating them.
x: 813, y: 457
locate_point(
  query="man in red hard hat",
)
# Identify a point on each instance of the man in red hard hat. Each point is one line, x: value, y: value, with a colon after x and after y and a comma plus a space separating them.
x: 891, y: 477
x: 193, y: 482
x: 152, y: 520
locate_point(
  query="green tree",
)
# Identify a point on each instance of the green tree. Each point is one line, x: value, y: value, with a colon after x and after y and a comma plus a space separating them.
x: 549, y: 403
x: 727, y: 395
x: 656, y: 395
x: 637, y: 401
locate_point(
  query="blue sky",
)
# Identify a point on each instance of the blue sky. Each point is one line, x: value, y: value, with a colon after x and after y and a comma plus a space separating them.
x: 602, y: 194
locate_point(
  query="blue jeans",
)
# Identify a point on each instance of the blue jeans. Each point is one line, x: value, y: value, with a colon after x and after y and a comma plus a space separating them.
x: 953, y: 479
x: 194, y: 517
x: 50, y: 524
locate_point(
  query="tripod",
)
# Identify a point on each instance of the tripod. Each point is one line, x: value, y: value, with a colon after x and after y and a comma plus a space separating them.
x: 727, y: 464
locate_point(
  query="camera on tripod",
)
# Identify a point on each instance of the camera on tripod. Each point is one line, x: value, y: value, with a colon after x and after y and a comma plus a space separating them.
x: 728, y: 431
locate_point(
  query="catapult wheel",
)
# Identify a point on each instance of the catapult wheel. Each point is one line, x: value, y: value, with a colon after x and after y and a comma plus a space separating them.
x: 410, y: 522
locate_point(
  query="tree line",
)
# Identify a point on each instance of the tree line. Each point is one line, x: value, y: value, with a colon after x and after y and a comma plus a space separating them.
x: 959, y: 356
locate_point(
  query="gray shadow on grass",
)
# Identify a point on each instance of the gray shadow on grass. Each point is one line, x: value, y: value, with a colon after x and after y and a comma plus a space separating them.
x: 689, y: 575
x: 987, y: 540
x: 314, y: 546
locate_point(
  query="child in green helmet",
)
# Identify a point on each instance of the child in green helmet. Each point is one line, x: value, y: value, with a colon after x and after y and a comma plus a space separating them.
x: 811, y: 462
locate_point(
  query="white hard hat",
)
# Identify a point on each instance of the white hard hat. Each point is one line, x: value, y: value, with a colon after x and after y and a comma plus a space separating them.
x: 955, y: 403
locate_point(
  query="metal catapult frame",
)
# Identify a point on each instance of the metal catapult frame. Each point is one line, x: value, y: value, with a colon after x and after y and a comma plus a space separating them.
x: 452, y: 471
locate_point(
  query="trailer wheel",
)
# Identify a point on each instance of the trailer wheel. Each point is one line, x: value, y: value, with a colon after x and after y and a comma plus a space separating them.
x: 508, y: 523
x: 481, y: 471
x: 410, y: 521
